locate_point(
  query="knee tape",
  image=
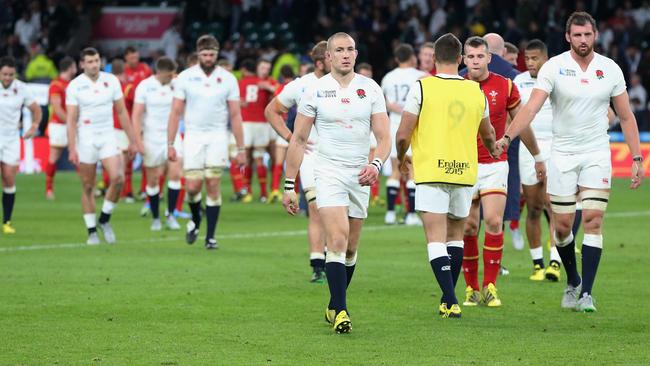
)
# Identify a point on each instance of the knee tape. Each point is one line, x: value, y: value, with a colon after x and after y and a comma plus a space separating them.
x: 195, y: 174
x: 338, y: 257
x: 594, y: 200
x: 258, y: 152
x: 351, y: 261
x: 194, y: 199
x: 152, y: 191
x: 174, y: 184
x: 310, y: 194
x: 9, y: 190
x: 563, y: 204
x: 212, y: 202
x: 214, y: 172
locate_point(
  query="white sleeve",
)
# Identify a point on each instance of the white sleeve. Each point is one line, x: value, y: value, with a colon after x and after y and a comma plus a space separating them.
x: 179, y: 87
x: 28, y: 98
x: 140, y: 95
x: 620, y: 86
x: 486, y: 111
x: 290, y: 94
x: 307, y: 104
x: 546, y: 77
x: 414, y: 99
x: 379, y: 102
x: 71, y: 95
x: 117, y: 89
x: 233, y: 89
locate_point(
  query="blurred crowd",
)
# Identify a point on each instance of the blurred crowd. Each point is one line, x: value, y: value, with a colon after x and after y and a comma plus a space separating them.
x: 40, y: 32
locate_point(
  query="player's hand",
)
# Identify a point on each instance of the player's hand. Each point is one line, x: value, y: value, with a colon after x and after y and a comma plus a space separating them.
x: 131, y: 151
x: 499, y: 147
x: 637, y: 174
x: 540, y: 170
x: 290, y: 202
x: 171, y: 153
x: 31, y: 132
x: 368, y: 175
x: 73, y: 156
x: 405, y: 165
x: 241, y: 158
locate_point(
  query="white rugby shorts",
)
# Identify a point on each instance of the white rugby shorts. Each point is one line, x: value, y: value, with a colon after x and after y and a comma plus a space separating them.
x: 337, y: 186
x: 492, y: 179
x: 527, y: 162
x: 95, y: 146
x: 588, y: 170
x: 122, y: 140
x: 256, y: 134
x: 450, y: 199
x: 202, y: 150
x: 57, y: 134
x: 10, y: 150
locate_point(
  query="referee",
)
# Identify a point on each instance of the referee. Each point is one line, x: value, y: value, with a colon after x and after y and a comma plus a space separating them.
x: 438, y: 110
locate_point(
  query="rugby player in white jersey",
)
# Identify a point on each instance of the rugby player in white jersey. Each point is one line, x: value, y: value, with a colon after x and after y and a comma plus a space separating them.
x: 14, y: 95
x: 153, y: 101
x: 206, y: 95
x: 580, y: 84
x: 396, y: 86
x: 534, y: 189
x: 90, y: 98
x: 289, y: 97
x: 344, y: 107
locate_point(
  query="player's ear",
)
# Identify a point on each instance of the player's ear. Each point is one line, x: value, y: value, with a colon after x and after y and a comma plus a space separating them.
x: 567, y: 36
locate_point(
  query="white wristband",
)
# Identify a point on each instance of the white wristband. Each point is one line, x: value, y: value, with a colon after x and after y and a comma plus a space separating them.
x: 377, y: 163
x: 538, y: 158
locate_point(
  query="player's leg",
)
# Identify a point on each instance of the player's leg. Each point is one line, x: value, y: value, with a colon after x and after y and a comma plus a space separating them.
x: 261, y: 171
x: 194, y: 159
x: 87, y: 174
x: 393, y: 182
x: 236, y: 172
x: 153, y: 193
x: 58, y: 139
x: 249, y: 139
x: 316, y: 238
x: 174, y: 173
x: 278, y: 164
x: 212, y: 204
x: 512, y: 210
x: 493, y: 208
x: 8, y: 195
x: 411, y: 218
x: 471, y: 254
x: 535, y: 196
x: 114, y: 166
x: 337, y: 228
x: 353, y: 246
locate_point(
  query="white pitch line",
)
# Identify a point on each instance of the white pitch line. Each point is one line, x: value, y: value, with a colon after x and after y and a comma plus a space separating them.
x: 253, y: 235
x: 267, y: 234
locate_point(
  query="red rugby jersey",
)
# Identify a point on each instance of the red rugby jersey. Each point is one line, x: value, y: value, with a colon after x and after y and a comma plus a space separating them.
x: 57, y: 87
x: 502, y: 96
x: 128, y: 90
x: 137, y: 74
x: 253, y: 98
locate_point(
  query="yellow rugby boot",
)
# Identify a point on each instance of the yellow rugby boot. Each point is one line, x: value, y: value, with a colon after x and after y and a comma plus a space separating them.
x: 490, y: 297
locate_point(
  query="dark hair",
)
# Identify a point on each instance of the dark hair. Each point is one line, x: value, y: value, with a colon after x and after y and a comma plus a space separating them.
x: 248, y: 65
x: 287, y: 72
x: 318, y: 52
x: 447, y: 49
x: 207, y: 42
x: 129, y: 50
x: 261, y: 61
x: 476, y: 42
x: 192, y: 58
x: 7, y: 61
x: 364, y: 66
x: 511, y: 48
x: 404, y: 52
x: 117, y: 66
x: 536, y: 44
x: 580, y: 18
x: 165, y: 64
x: 66, y: 63
x: 88, y: 51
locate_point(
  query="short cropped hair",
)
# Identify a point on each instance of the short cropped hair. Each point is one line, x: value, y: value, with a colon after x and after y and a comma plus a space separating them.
x: 511, y: 48
x: 536, y: 44
x: 7, y: 61
x: 66, y: 63
x: 287, y: 72
x: 166, y: 64
x: 580, y: 18
x: 207, y: 42
x: 117, y: 66
x: 318, y: 52
x: 364, y: 66
x: 248, y: 65
x: 447, y: 49
x: 404, y: 52
x: 88, y: 51
x: 129, y: 50
x: 476, y: 42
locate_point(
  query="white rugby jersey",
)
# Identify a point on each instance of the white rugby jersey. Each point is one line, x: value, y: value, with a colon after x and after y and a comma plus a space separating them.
x: 206, y: 98
x: 12, y: 100
x: 95, y: 101
x: 542, y: 124
x: 292, y: 92
x: 580, y: 100
x: 157, y: 99
x: 343, y: 117
x: 396, y: 86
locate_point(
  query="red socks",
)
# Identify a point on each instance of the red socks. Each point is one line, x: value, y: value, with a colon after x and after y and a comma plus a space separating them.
x: 50, y: 170
x: 492, y: 253
x: 261, y: 177
x: 470, y: 261
x: 276, y: 175
x: 236, y: 176
x: 374, y: 189
x: 127, y: 189
x: 248, y: 177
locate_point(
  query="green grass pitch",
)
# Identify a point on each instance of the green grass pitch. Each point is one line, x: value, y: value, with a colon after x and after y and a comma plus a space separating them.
x: 153, y: 300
